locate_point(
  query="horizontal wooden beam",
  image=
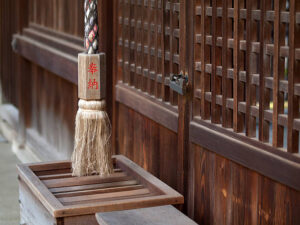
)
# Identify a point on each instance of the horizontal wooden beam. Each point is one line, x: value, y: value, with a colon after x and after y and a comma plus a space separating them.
x: 52, y: 41
x: 280, y: 166
x: 52, y: 59
x: 255, y: 14
x: 58, y: 34
x: 147, y: 106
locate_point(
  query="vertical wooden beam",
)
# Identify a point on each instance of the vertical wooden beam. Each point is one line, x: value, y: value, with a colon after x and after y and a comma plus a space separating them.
x: 214, y: 113
x: 115, y: 72
x: 157, y: 85
x: 237, y: 118
x: 23, y: 78
x: 172, y: 50
x: 226, y: 118
x: 293, y: 69
x: 162, y: 36
x: 105, y: 21
x: 261, y: 128
x: 183, y: 104
x: 149, y: 46
x: 205, y: 83
x: 250, y: 89
x: 144, y: 43
x: 278, y: 101
x: 189, y: 150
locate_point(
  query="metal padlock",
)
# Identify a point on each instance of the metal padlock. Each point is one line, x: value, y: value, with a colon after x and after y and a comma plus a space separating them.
x: 178, y: 83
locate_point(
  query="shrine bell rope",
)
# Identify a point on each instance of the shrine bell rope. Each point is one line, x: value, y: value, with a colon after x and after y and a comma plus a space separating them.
x: 92, y: 149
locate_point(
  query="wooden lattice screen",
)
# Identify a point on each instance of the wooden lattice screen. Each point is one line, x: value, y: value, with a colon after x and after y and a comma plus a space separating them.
x: 148, y: 46
x: 258, y: 92
x: 258, y: 44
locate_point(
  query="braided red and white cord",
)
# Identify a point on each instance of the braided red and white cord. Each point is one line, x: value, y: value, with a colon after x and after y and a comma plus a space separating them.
x: 91, y: 27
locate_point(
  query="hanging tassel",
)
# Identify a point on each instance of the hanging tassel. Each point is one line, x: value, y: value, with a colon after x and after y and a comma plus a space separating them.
x: 92, y: 153
x: 92, y: 150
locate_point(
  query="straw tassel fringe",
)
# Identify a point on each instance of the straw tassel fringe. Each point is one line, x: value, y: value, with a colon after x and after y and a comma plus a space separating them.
x: 92, y: 152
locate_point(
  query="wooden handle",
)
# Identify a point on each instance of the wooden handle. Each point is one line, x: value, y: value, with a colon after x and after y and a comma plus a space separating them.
x: 91, y: 76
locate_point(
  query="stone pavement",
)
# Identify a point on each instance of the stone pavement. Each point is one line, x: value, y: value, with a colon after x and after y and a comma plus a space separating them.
x: 9, y: 206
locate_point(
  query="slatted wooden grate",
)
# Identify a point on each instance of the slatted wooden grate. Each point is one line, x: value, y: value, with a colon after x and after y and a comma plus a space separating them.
x: 63, y: 195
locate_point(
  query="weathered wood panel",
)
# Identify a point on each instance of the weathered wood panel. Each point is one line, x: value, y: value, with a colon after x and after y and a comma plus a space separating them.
x: 147, y: 143
x: 53, y: 110
x: 8, y: 61
x: 227, y: 193
x: 39, y: 84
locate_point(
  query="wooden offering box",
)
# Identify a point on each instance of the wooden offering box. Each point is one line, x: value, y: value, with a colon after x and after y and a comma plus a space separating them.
x: 50, y: 195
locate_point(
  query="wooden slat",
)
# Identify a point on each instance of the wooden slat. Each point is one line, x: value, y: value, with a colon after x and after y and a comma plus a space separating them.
x: 157, y: 62
x: 62, y: 64
x: 92, y: 186
x: 164, y: 96
x: 215, y: 117
x: 205, y: 114
x: 149, y: 44
x: 250, y: 65
x: 39, y: 167
x: 144, y: 40
x: 293, y: 69
x: 51, y: 172
x: 265, y: 36
x: 53, y: 41
x: 145, y: 216
x: 137, y: 40
x: 73, y: 181
x: 277, y: 130
x: 62, y: 35
x: 236, y: 148
x: 237, y: 118
x: 102, y: 196
x: 226, y: 118
x: 98, y: 191
x: 56, y: 175
x: 172, y: 49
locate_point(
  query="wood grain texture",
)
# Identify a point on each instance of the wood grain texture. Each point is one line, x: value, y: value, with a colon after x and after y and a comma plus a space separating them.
x: 148, y: 106
x: 75, y: 196
x: 240, y: 195
x: 147, y: 216
x: 91, y: 76
x: 159, y: 156
x: 146, y: 114
x: 61, y: 63
x: 251, y: 157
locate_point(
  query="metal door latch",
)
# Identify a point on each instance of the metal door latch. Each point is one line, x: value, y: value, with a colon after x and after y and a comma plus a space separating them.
x: 178, y: 83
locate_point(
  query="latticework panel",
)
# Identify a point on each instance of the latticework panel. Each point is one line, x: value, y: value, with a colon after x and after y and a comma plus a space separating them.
x: 148, y: 46
x: 246, y: 69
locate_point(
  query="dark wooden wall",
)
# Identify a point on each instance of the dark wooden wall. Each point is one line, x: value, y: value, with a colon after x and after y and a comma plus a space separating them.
x: 35, y: 82
x: 212, y: 145
x: 8, y: 82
